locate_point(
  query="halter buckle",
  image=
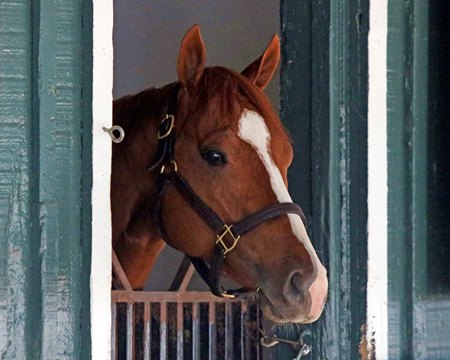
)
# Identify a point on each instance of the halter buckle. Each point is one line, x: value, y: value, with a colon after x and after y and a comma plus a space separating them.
x: 171, y: 118
x: 172, y: 163
x: 220, y: 239
x: 228, y: 296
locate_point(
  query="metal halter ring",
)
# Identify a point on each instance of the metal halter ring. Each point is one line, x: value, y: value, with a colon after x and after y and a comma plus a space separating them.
x: 113, y: 137
x: 171, y: 118
x: 174, y: 165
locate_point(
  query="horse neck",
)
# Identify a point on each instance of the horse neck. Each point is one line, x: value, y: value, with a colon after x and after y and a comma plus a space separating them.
x: 135, y: 237
x: 131, y: 185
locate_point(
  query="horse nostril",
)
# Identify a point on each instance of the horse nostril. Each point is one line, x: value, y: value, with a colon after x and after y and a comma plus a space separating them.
x: 296, y: 280
x: 294, y: 286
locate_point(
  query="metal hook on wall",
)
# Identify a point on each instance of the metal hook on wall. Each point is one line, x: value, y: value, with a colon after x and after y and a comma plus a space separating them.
x: 111, y: 134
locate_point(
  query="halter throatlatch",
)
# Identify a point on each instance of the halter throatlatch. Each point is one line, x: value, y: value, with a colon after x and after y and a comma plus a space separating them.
x: 227, y: 235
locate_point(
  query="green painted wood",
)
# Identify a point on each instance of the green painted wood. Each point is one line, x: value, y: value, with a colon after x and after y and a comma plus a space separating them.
x: 45, y: 236
x: 402, y: 174
x: 400, y: 260
x: 15, y: 176
x: 348, y: 173
x: 324, y: 104
x: 419, y: 310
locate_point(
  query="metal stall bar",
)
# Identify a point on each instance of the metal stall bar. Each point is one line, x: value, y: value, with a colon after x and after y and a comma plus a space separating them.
x: 163, y: 331
x: 212, y: 331
x: 130, y: 332
x: 114, y: 331
x: 245, y: 344
x: 195, y: 331
x: 180, y: 331
x: 229, y: 354
x: 147, y: 331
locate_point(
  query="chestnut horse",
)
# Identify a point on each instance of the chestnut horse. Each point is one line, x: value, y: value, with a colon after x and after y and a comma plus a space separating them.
x: 234, y: 153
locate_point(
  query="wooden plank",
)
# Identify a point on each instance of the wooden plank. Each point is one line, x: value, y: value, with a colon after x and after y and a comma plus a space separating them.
x: 416, y: 69
x: 60, y: 126
x: 19, y: 241
x: 183, y: 276
x: 122, y: 281
x: 167, y: 296
x: 44, y: 238
x: 399, y: 230
x: 347, y: 176
x: 325, y: 60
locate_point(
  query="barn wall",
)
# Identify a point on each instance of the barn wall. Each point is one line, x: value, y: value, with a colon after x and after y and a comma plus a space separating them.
x: 147, y: 37
x: 45, y: 180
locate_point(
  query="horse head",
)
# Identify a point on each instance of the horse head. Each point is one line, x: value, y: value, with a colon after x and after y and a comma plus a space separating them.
x: 234, y: 153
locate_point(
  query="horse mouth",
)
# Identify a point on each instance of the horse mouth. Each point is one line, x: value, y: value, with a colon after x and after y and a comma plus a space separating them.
x: 274, y: 315
x: 269, y: 311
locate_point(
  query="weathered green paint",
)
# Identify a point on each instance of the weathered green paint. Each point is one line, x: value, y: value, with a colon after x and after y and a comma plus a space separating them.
x: 417, y: 166
x: 406, y: 117
x: 44, y: 237
x: 15, y: 180
x: 348, y: 173
x: 324, y: 104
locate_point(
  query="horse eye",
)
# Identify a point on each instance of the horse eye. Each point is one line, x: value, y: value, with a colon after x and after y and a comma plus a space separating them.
x: 214, y: 158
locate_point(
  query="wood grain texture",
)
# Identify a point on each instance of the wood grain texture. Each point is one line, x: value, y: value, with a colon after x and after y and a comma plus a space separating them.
x: 43, y: 252
x: 324, y: 104
x: 15, y: 181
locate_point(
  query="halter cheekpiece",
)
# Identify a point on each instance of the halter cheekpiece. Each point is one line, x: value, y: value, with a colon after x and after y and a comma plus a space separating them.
x: 227, y: 236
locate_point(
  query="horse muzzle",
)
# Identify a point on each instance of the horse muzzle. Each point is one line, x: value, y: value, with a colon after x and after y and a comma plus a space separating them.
x: 299, y: 300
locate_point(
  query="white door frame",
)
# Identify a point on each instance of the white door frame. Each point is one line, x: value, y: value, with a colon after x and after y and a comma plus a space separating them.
x: 101, y: 164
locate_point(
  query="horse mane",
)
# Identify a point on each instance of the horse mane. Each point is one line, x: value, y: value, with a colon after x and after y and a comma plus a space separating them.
x: 130, y: 111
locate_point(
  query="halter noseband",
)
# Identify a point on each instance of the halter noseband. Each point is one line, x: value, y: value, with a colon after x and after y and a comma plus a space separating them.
x: 227, y: 235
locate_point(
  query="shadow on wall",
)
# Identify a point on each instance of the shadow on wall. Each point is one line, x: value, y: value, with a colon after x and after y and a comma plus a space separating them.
x: 147, y: 37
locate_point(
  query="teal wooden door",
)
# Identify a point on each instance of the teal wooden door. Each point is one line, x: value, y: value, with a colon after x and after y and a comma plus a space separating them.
x: 324, y: 106
x: 45, y: 178
x: 419, y: 179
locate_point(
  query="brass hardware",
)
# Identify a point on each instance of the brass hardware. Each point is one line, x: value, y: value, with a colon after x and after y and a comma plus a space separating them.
x: 228, y: 296
x: 222, y: 242
x: 171, y: 118
x: 173, y: 163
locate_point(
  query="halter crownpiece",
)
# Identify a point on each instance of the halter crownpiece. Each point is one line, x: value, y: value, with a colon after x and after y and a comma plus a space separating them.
x: 227, y: 235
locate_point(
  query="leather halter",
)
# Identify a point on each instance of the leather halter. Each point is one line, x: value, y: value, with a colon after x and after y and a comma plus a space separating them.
x: 227, y: 235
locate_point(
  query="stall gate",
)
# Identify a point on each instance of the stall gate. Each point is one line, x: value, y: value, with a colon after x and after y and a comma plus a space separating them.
x: 181, y: 324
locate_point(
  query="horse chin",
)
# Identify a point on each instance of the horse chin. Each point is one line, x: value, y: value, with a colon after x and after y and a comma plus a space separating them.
x: 272, y: 314
x: 269, y: 311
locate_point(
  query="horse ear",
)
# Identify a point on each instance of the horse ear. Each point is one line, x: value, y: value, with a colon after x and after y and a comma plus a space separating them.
x: 191, y: 59
x: 260, y: 71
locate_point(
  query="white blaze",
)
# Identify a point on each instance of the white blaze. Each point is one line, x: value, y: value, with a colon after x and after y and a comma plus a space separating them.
x: 253, y: 130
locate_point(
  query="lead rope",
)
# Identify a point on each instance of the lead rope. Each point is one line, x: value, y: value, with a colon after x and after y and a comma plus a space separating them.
x: 300, y: 345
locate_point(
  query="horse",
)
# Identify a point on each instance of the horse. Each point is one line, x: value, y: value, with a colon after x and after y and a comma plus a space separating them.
x: 223, y: 154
